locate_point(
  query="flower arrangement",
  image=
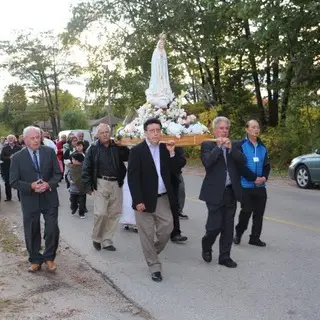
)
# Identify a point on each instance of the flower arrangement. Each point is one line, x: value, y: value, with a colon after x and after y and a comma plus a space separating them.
x: 174, y: 120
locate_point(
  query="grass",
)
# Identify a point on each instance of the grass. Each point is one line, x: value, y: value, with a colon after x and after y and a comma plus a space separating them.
x: 9, y: 242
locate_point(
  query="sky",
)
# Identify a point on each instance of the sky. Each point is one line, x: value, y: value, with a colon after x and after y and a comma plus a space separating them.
x: 40, y: 15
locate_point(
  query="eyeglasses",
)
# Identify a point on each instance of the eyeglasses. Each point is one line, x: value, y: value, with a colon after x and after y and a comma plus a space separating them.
x: 154, y: 130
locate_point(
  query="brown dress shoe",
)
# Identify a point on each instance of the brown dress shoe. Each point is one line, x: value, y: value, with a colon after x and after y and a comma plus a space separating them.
x: 34, y: 267
x: 51, y: 265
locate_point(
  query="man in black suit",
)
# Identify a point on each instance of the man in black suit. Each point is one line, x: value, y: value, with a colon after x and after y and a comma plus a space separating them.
x: 35, y: 173
x: 6, y: 154
x: 150, y: 167
x: 220, y: 190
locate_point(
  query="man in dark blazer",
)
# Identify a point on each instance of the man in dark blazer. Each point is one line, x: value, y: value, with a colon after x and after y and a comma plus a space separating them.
x: 150, y: 168
x: 6, y: 154
x: 220, y: 190
x: 35, y: 173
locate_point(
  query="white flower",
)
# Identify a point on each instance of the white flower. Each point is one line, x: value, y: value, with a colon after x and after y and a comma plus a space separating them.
x: 196, y: 128
x: 174, y: 129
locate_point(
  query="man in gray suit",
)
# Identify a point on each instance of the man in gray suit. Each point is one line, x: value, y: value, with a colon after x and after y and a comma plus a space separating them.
x: 35, y: 173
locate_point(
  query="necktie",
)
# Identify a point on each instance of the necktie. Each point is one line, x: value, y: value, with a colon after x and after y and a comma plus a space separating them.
x: 228, y: 181
x: 36, y: 164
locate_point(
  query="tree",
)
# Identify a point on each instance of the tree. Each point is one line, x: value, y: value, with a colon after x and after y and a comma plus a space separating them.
x: 42, y: 63
x: 225, y: 47
x: 14, y: 107
x: 75, y: 119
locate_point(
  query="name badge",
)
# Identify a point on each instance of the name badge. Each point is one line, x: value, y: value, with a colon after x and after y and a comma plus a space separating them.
x: 255, y: 159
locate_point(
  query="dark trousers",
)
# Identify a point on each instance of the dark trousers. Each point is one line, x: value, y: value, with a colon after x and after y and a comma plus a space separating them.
x: 78, y: 201
x: 181, y: 193
x: 220, y: 221
x: 8, y: 189
x: 7, y: 186
x: 32, y: 233
x: 175, y: 213
x: 253, y: 202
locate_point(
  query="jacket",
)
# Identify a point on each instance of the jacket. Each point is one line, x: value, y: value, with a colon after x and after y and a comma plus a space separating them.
x: 143, y: 176
x: 90, y: 167
x: 213, y: 185
x: 74, y: 175
x: 257, y: 163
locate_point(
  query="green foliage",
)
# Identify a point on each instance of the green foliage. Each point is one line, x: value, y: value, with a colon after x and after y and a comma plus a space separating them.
x: 192, y: 152
x: 75, y: 119
x: 195, y: 108
x: 4, y: 130
x: 67, y: 101
x: 206, y: 117
x: 14, y: 107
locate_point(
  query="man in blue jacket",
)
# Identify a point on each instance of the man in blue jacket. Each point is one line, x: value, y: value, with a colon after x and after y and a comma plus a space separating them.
x: 254, y: 175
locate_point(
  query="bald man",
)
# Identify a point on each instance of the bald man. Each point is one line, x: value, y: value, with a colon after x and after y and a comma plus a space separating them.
x: 103, y: 175
x: 6, y: 154
x: 254, y: 175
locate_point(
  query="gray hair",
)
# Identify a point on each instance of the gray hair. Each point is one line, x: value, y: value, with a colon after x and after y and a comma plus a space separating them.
x: 30, y: 128
x: 11, y: 136
x: 103, y: 125
x: 217, y: 120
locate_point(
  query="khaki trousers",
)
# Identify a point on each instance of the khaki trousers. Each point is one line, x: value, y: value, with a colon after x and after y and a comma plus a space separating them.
x: 154, y: 231
x: 107, y: 211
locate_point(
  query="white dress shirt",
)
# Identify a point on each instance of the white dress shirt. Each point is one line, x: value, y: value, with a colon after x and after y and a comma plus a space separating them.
x: 155, y: 152
x: 51, y: 144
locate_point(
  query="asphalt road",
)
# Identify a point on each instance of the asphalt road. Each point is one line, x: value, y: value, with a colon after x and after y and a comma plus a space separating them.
x: 279, y: 282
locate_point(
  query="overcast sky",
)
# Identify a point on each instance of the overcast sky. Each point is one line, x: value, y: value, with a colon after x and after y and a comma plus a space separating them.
x: 40, y: 15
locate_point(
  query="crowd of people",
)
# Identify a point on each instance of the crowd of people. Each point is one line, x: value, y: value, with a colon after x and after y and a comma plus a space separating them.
x: 148, y: 193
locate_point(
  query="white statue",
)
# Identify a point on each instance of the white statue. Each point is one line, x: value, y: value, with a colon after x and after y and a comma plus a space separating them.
x: 159, y: 92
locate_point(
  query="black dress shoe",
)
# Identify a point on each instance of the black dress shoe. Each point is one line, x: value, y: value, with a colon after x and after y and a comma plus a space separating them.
x: 257, y: 242
x: 110, y: 248
x: 183, y: 216
x: 236, y: 239
x: 156, y: 276
x: 7, y: 200
x: 179, y: 238
x: 96, y: 245
x: 229, y: 263
x: 207, y: 256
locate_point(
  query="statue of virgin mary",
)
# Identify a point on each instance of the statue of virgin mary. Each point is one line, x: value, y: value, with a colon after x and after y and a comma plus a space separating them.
x: 159, y: 92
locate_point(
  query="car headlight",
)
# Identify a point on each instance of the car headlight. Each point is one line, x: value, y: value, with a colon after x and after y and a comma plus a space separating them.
x: 294, y: 162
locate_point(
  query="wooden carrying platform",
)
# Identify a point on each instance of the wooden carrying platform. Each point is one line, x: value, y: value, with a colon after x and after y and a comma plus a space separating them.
x: 186, y: 140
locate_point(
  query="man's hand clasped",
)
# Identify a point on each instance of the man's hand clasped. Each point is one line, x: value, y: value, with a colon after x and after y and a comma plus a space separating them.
x: 260, y: 180
x: 40, y: 186
x: 223, y: 142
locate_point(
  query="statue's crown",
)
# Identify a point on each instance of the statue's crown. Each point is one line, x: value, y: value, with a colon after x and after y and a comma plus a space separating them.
x: 162, y: 36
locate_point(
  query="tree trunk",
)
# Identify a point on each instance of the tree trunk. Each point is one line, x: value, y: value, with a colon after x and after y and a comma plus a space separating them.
x: 286, y: 93
x: 211, y: 84
x: 217, y: 81
x: 56, y: 98
x: 270, y: 99
x: 275, y: 98
x: 255, y: 73
x: 50, y: 104
x: 203, y: 81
